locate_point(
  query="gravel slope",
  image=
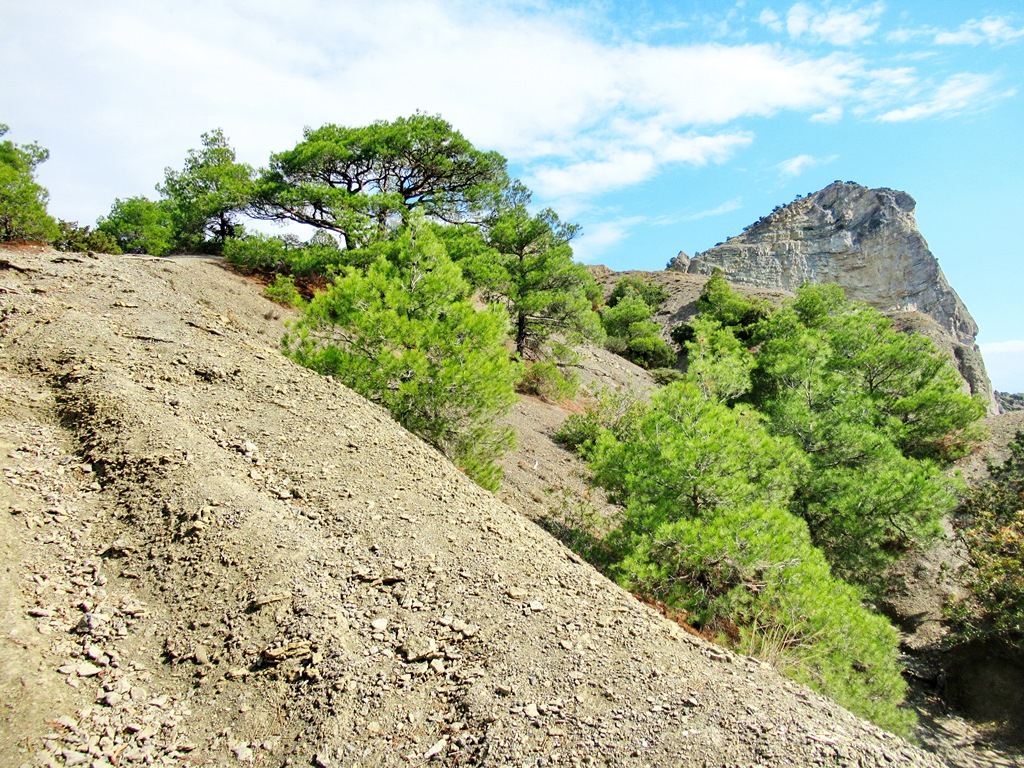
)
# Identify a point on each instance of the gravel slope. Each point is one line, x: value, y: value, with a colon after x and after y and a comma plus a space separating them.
x: 215, y: 557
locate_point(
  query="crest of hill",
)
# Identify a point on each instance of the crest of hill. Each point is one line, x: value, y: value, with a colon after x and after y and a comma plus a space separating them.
x: 867, y: 241
x: 219, y: 557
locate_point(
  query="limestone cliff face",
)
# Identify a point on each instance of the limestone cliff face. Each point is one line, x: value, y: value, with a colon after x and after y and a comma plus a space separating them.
x: 867, y: 241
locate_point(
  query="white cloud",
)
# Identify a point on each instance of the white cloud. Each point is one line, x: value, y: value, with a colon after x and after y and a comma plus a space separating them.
x: 582, y: 114
x: 795, y: 166
x: 1005, y: 363
x: 598, y: 238
x: 837, y: 26
x: 831, y: 115
x: 991, y: 29
x: 621, y: 169
x: 958, y: 94
x: 648, y: 150
x: 702, y: 84
x: 770, y: 19
x: 727, y: 207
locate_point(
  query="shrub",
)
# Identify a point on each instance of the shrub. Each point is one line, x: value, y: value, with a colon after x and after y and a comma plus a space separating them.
x: 652, y: 295
x: 650, y: 352
x: 616, y: 412
x: 287, y: 254
x: 664, y: 376
x: 616, y: 345
x: 682, y: 334
x: 878, y: 412
x: 82, y: 239
x: 991, y: 526
x: 755, y: 568
x: 705, y: 529
x: 622, y: 319
x: 283, y: 291
x: 548, y: 382
x: 406, y: 335
x: 259, y: 251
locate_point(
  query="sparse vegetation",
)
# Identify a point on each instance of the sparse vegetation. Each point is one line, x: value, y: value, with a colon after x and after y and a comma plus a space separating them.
x: 81, y: 239
x: 991, y: 526
x: 282, y: 290
x: 545, y: 379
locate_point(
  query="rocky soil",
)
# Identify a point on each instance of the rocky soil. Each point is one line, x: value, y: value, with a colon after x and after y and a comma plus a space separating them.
x: 214, y: 557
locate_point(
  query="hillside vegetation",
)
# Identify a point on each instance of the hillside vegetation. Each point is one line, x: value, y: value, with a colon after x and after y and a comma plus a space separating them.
x: 792, y: 454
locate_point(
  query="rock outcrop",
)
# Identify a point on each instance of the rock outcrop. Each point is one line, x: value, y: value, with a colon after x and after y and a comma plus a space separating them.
x: 867, y: 241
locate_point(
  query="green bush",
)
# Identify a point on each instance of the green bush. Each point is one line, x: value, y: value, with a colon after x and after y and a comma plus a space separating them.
x: 681, y: 335
x: 616, y: 412
x: 705, y: 529
x: 719, y: 302
x: 406, y: 335
x: 878, y: 412
x: 652, y: 295
x: 622, y: 320
x: 262, y: 252
x: 283, y: 291
x: 287, y: 254
x: 664, y: 376
x: 616, y: 345
x: 548, y: 382
x: 650, y: 352
x: 82, y: 239
x: 754, y: 568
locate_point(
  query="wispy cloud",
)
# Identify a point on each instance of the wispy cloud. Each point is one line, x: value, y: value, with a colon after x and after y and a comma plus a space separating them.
x: 831, y: 115
x: 620, y: 167
x: 992, y: 29
x: 727, y: 207
x: 772, y: 20
x: 836, y: 26
x: 581, y: 113
x: 599, y: 238
x: 795, y: 166
x: 958, y: 94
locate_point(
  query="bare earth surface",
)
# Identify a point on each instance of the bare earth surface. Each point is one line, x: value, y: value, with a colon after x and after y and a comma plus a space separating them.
x: 214, y: 557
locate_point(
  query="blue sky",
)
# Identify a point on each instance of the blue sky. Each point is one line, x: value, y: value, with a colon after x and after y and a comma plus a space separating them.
x: 658, y: 126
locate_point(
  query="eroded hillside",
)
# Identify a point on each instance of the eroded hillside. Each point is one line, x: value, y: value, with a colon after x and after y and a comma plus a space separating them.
x: 213, y: 556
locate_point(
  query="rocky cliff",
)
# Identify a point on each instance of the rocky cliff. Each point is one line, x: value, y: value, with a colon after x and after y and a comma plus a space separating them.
x: 867, y: 241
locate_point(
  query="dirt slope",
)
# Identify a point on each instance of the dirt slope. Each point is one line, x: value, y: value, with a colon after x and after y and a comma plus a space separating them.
x: 214, y: 557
